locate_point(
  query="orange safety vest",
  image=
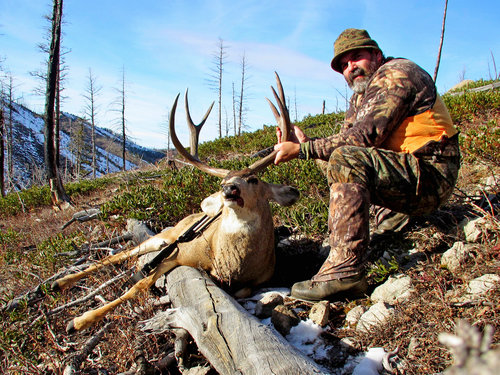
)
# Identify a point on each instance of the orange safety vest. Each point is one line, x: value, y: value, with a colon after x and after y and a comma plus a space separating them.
x: 415, y: 131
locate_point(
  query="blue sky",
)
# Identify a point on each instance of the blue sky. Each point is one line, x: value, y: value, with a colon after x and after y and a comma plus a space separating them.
x: 167, y: 46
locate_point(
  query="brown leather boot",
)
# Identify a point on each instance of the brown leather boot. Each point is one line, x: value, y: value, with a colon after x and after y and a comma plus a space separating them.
x: 352, y: 287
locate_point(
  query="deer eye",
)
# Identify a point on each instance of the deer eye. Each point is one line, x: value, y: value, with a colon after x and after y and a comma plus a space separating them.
x: 253, y: 180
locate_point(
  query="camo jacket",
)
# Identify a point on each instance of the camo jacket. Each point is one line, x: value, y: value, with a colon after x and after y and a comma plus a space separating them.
x: 397, y: 90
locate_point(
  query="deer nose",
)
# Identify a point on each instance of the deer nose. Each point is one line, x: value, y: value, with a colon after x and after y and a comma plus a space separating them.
x: 229, y: 190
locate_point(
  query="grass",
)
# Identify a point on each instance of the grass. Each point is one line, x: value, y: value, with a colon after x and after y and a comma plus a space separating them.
x: 31, y: 242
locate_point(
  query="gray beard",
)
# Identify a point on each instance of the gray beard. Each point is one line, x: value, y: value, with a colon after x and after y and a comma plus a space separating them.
x: 359, y: 85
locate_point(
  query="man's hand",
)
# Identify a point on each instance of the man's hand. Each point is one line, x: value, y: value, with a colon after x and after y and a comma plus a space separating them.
x: 296, y: 136
x: 289, y: 150
x: 286, y: 151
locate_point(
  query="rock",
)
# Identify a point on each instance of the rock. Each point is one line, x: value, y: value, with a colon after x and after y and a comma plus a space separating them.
x: 395, y: 289
x: 477, y: 288
x: 139, y: 230
x: 482, y: 285
x: 455, y: 257
x: 292, y: 240
x: 283, y: 319
x: 265, y: 306
x: 375, y: 317
x: 352, y: 317
x: 319, y: 313
x: 348, y: 343
x: 324, y: 249
x: 141, y: 262
x: 473, y: 229
x: 198, y: 370
x: 491, y: 183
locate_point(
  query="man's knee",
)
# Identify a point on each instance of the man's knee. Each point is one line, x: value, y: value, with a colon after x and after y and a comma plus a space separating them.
x: 348, y: 164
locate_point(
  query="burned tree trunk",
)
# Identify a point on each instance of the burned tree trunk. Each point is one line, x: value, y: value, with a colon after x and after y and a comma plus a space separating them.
x: 58, y: 194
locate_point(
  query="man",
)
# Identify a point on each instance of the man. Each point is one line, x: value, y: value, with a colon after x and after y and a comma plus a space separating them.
x: 396, y: 149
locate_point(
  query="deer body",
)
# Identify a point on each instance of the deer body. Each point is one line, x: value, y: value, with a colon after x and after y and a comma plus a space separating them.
x: 239, y: 246
x: 236, y: 249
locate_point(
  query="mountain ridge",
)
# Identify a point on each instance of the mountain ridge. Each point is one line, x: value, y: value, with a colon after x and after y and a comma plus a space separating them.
x: 28, y: 139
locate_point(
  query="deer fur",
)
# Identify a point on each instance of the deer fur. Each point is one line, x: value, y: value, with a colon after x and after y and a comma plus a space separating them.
x: 236, y: 249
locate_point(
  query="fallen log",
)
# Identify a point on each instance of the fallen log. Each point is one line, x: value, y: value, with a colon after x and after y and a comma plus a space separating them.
x: 231, y: 339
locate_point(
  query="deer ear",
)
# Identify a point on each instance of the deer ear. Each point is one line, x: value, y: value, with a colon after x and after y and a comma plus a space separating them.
x: 284, y: 195
x: 212, y: 204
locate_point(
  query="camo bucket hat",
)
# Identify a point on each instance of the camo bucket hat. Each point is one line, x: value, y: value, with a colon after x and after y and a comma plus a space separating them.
x: 348, y: 40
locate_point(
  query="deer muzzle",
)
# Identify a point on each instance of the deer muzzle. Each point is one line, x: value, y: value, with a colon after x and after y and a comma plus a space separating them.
x: 232, y: 193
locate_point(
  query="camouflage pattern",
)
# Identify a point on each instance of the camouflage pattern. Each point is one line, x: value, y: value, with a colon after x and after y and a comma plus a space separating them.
x: 397, y: 90
x: 349, y: 231
x: 361, y: 173
x: 387, y: 221
x: 401, y: 182
x: 349, y: 40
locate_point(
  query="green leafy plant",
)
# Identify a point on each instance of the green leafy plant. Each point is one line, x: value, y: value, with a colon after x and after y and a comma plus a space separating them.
x: 381, y: 270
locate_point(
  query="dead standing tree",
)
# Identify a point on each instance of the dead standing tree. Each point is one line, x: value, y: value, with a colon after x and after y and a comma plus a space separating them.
x: 123, y: 122
x: 41, y: 75
x: 441, y: 41
x: 9, y: 128
x: 216, y: 78
x: 2, y: 157
x: 58, y: 194
x: 241, y: 107
x: 119, y: 105
x: 91, y: 94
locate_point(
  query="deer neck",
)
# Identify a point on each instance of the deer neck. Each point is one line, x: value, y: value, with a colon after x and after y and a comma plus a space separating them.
x: 238, y: 221
x: 244, y: 242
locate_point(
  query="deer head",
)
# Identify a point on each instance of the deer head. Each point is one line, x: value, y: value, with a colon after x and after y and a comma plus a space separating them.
x: 239, y: 187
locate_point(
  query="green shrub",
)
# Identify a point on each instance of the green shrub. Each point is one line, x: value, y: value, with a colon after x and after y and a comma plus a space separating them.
x: 38, y: 196
x: 466, y: 107
x: 481, y: 141
x: 85, y: 186
x: 476, y: 115
x: 179, y: 194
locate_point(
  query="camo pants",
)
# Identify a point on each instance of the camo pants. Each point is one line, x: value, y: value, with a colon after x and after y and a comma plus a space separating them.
x: 412, y: 184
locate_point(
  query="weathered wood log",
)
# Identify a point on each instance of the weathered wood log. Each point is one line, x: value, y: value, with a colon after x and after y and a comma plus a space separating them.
x: 231, y: 339
x: 83, y: 216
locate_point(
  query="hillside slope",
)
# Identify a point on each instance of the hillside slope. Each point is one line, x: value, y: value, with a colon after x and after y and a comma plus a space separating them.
x: 33, y: 248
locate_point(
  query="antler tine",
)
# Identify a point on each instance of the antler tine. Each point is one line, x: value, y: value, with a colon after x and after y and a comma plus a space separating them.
x: 218, y: 172
x: 283, y: 120
x: 188, y: 114
x: 194, y: 129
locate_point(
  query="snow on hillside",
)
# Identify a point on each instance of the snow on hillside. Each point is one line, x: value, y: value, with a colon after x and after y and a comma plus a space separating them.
x: 28, y: 139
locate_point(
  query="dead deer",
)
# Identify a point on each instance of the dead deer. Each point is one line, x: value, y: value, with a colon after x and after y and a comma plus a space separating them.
x: 237, y: 247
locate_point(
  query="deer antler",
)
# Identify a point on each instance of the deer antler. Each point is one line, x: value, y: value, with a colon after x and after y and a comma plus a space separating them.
x: 217, y: 172
x: 195, y: 129
x: 283, y: 120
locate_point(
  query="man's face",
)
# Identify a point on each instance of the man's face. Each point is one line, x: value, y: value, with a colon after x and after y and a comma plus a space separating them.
x: 358, y: 66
